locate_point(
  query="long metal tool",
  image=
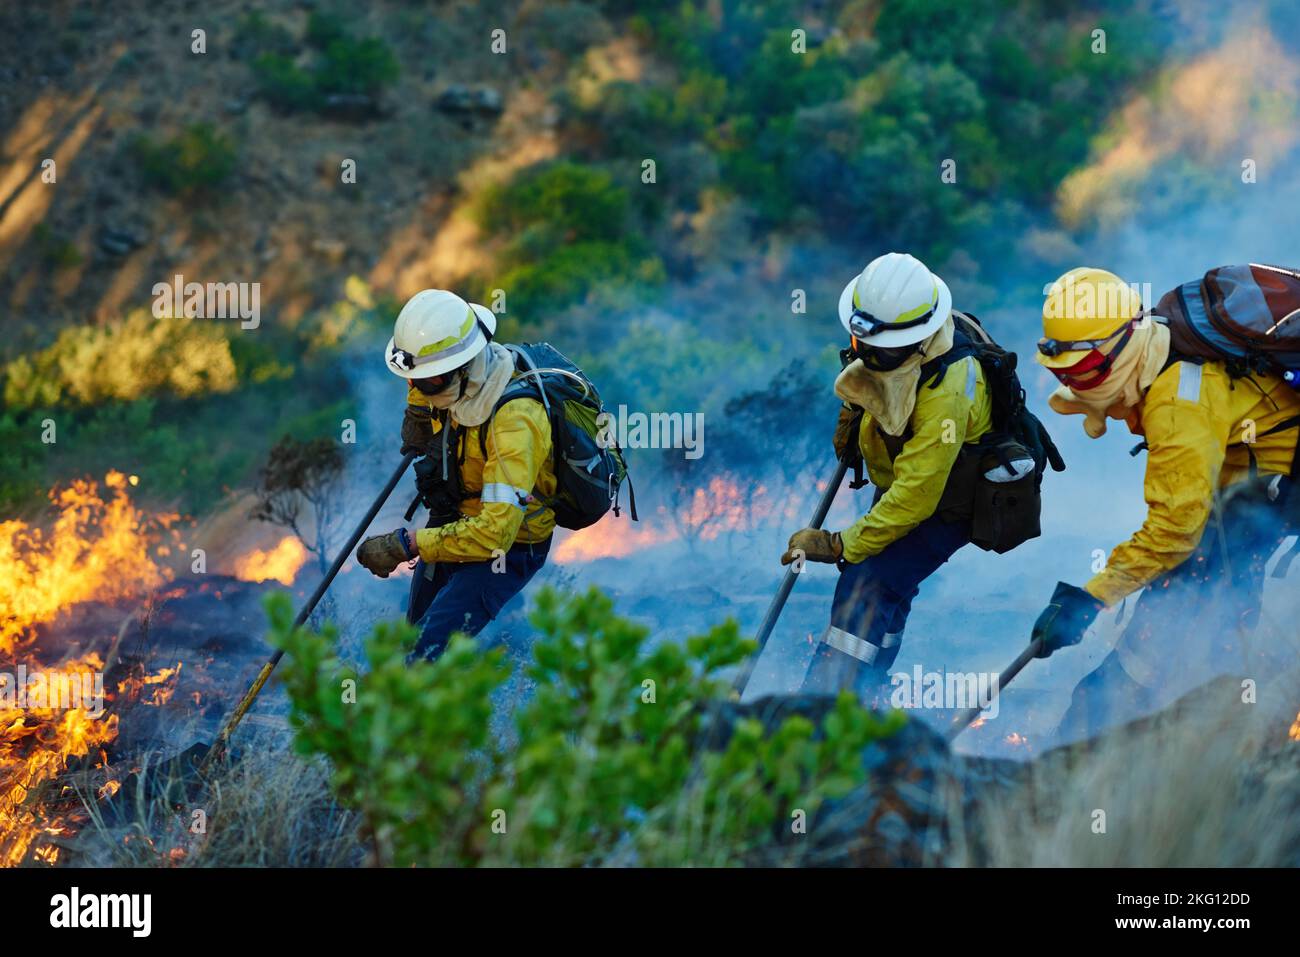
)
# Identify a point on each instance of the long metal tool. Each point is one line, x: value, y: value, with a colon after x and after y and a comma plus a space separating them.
x: 787, y: 584
x: 305, y: 612
x: 967, y: 717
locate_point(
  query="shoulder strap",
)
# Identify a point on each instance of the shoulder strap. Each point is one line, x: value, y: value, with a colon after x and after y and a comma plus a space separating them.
x: 969, y: 338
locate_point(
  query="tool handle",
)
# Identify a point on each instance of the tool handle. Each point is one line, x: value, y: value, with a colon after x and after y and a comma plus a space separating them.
x: 787, y: 583
x: 305, y: 612
x: 967, y: 717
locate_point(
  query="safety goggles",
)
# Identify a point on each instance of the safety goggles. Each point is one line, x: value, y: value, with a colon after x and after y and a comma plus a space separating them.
x: 432, y: 385
x: 881, y: 359
x: 1095, y: 367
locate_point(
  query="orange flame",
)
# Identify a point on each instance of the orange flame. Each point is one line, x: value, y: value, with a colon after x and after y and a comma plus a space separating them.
x: 1294, y: 733
x: 720, y: 507
x: 97, y: 549
x: 45, y: 573
x: 281, y: 563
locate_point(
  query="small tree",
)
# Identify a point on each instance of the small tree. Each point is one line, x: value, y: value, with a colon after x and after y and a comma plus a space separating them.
x: 299, y: 473
x: 622, y: 755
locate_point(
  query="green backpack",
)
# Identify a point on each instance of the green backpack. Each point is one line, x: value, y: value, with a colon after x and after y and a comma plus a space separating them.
x: 589, y: 470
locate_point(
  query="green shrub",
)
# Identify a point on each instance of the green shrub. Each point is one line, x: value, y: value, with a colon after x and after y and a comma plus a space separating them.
x: 569, y: 231
x: 324, y: 28
x: 284, y: 84
x: 343, y: 65
x: 197, y: 160
x: 608, y: 764
x: 57, y: 251
x: 22, y: 461
x: 124, y: 360
x: 363, y: 66
x: 256, y: 35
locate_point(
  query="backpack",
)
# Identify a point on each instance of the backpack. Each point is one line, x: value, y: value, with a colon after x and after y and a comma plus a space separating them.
x: 589, y: 468
x: 995, y: 484
x: 1247, y: 317
x: 1011, y: 419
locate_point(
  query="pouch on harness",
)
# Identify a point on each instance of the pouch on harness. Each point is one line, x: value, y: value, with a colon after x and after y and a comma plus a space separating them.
x: 589, y: 466
x: 995, y: 483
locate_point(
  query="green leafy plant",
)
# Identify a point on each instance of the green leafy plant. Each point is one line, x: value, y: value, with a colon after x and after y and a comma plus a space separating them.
x: 123, y: 360
x: 620, y: 756
x: 569, y: 230
x: 344, y: 66
x: 195, y: 161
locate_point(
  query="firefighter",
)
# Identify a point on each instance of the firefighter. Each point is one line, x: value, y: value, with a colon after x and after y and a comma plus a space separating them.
x: 1220, y: 448
x: 488, y: 533
x: 898, y: 316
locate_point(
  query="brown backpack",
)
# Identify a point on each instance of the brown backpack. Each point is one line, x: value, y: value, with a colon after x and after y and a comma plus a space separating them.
x: 1247, y: 317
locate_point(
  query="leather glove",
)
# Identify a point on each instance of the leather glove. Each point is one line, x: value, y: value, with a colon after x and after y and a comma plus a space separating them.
x: 381, y: 554
x: 846, y: 433
x: 417, y: 430
x: 817, y: 545
x: 1065, y: 619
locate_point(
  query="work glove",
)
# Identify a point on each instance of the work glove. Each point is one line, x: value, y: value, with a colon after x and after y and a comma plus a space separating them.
x: 815, y: 544
x: 846, y: 434
x: 1065, y: 619
x: 417, y: 430
x: 381, y: 554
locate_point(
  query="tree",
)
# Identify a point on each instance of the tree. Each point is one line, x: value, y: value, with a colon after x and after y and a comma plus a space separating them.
x: 299, y: 473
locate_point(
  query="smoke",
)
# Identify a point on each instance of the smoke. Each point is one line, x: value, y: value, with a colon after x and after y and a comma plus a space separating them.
x: 734, y: 348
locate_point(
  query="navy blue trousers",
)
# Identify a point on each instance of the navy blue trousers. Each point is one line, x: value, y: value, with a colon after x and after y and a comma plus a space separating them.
x: 870, y: 609
x: 1191, y: 625
x: 465, y: 596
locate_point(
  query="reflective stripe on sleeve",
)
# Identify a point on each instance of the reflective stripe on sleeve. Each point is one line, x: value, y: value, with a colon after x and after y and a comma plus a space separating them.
x: 501, y: 492
x: 1189, y: 382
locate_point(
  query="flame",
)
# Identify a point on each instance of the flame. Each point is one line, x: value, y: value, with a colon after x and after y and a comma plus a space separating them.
x: 280, y: 563
x: 723, y: 505
x: 608, y: 538
x: 96, y: 549
x: 1294, y: 733
x: 133, y: 687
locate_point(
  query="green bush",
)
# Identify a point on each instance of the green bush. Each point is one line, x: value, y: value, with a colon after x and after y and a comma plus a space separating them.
x: 57, y: 251
x: 607, y: 764
x: 284, y: 84
x: 197, y: 160
x: 343, y: 65
x: 256, y: 35
x: 124, y: 360
x: 357, y: 66
x: 569, y: 231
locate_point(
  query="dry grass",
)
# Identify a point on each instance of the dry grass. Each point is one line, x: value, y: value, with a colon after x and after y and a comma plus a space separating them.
x: 269, y: 808
x: 1213, y: 782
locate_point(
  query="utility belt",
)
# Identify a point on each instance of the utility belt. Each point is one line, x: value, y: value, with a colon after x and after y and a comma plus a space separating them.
x: 995, y: 486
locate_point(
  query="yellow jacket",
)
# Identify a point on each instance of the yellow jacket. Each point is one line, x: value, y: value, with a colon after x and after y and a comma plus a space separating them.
x: 957, y: 411
x: 1201, y: 428
x: 518, y: 462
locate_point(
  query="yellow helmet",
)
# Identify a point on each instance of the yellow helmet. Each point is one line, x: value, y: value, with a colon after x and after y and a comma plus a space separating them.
x: 1085, y: 305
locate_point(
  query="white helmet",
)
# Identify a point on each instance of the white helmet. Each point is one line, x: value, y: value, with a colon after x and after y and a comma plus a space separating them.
x: 437, y: 331
x: 895, y: 301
